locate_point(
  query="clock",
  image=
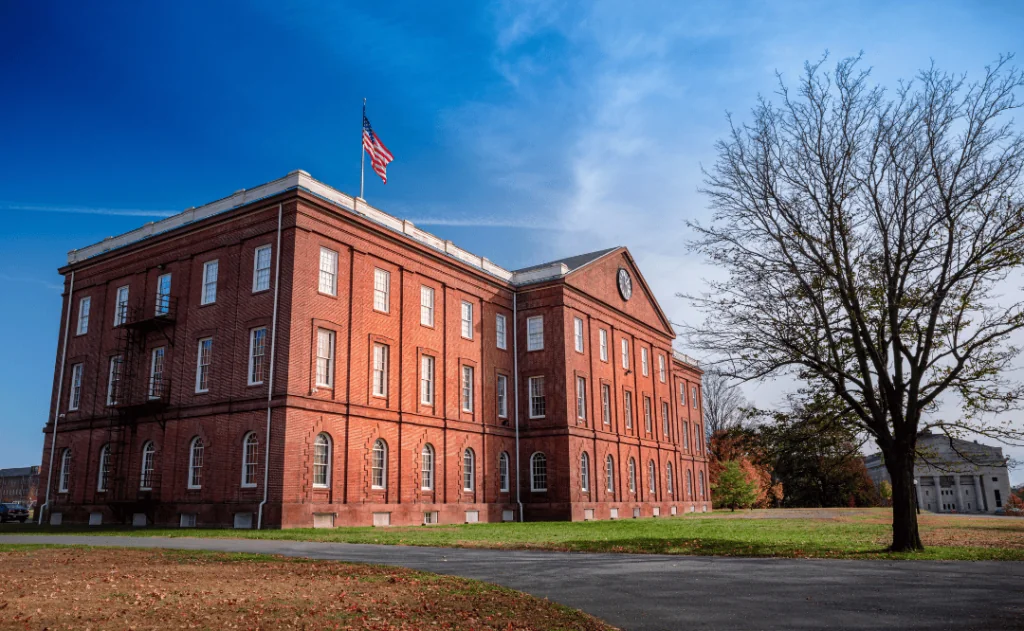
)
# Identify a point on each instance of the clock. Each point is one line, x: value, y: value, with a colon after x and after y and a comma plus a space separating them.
x: 625, y: 284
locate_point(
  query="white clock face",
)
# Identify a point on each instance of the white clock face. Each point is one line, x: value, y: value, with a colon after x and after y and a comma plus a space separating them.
x: 625, y: 284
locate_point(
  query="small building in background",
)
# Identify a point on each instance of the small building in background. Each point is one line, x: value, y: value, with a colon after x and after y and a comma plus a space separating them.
x: 19, y: 485
x: 953, y: 476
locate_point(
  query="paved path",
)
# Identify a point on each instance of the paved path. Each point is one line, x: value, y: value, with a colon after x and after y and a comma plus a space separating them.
x: 644, y: 592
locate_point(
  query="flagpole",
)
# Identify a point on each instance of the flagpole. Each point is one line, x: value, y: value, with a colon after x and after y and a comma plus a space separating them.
x: 362, y: 152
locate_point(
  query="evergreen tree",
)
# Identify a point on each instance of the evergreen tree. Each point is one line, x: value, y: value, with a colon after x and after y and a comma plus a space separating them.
x: 733, y: 489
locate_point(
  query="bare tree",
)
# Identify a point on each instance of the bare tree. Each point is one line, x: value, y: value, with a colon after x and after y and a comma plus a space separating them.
x: 723, y: 403
x: 869, y: 240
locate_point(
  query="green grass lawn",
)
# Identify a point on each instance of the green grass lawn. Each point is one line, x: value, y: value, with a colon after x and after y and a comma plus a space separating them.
x: 842, y: 533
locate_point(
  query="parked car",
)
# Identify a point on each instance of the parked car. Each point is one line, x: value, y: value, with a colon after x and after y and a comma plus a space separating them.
x: 13, y: 512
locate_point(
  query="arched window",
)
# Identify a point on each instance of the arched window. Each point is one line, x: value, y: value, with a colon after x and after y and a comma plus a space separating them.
x: 503, y: 472
x: 632, y: 475
x: 379, y: 466
x: 322, y: 461
x: 468, y: 470
x: 585, y: 472
x: 669, y: 483
x: 702, y: 496
x: 195, y: 464
x: 689, y: 484
x: 65, y: 471
x: 250, y: 456
x: 146, y: 469
x: 104, y: 469
x: 538, y: 472
x: 609, y: 473
x: 652, y: 476
x: 427, y: 468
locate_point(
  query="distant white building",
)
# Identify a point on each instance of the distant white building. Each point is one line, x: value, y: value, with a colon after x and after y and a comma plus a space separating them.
x: 954, y: 476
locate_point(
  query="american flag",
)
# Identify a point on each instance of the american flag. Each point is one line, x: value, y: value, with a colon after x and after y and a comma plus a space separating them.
x: 379, y: 154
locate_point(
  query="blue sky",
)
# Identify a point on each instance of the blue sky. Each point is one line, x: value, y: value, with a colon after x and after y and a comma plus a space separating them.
x: 523, y: 131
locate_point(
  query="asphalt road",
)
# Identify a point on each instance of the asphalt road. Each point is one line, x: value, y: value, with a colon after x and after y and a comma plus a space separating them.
x: 648, y: 592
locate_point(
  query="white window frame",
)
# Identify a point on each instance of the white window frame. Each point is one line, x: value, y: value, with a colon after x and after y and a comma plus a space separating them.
x: 664, y: 419
x: 627, y: 407
x: 209, y: 289
x: 427, y: 461
x: 682, y: 393
x: 501, y: 332
x: 631, y: 466
x: 469, y: 470
x: 535, y: 333
x: 325, y: 444
x: 693, y: 395
x: 103, y: 470
x: 645, y: 364
x: 253, y: 335
x: 380, y: 370
x: 250, y: 460
x: 84, y: 306
x: 609, y: 474
x: 652, y: 477
x: 121, y: 305
x: 577, y: 331
x: 75, y: 391
x: 466, y: 382
x: 427, y: 364
x: 157, y: 360
x: 606, y: 403
x: 466, y: 317
x: 327, y: 279
x: 325, y: 342
x: 427, y: 306
x: 581, y: 398
x: 503, y: 485
x: 625, y: 353
x: 670, y: 481
x: 585, y: 472
x: 662, y: 372
x: 379, y: 465
x: 261, y: 274
x: 195, y: 470
x: 147, y: 466
x: 203, y: 369
x: 163, y: 295
x: 536, y: 393
x: 686, y: 434
x: 648, y: 421
x: 64, y: 481
x: 501, y: 395
x: 381, y: 290
x: 603, y: 344
x: 538, y: 458
x: 115, y: 369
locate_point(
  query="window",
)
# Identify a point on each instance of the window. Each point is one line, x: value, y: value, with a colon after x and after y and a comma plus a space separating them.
x: 257, y: 351
x: 664, y: 418
x: 581, y: 398
x: 682, y: 394
x: 647, y: 414
x: 627, y: 405
x: 468, y: 470
x: 701, y: 478
x: 689, y: 484
x: 693, y: 396
x: 114, y: 381
x: 499, y: 331
x: 325, y: 358
x: 250, y: 457
x: 652, y: 476
x: 195, y: 464
x: 632, y: 475
x: 380, y: 370
x: 603, y: 336
x: 121, y: 306
x: 209, y: 282
x: 427, y: 380
x: 75, y: 397
x: 426, y: 305
x: 156, y: 374
x: 537, y: 404
x: 163, y: 294
x: 686, y: 435
x: 502, y: 395
x: 103, y: 476
x: 328, y: 272
x: 609, y: 474
x: 427, y: 468
x: 379, y: 464
x: 381, y: 290
x: 203, y: 364
x: 998, y: 498
x: 625, y: 354
x: 261, y: 268
x: 538, y: 472
x: 503, y: 472
x: 577, y: 329
x: 65, y: 471
x: 606, y: 404
x: 322, y: 461
x: 83, y: 315
x: 697, y: 442
x: 661, y: 368
x: 585, y: 472
x: 644, y: 367
x: 669, y: 483
x: 535, y: 333
x: 467, y: 320
x: 467, y: 388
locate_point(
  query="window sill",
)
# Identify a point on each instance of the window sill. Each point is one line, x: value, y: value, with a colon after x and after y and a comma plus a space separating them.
x: 202, y: 392
x: 379, y: 396
x: 247, y: 486
x: 535, y: 418
x: 320, y: 292
x: 194, y: 488
x: 254, y: 384
x: 376, y: 310
x: 207, y: 304
x: 322, y: 487
x: 261, y: 291
x: 377, y: 488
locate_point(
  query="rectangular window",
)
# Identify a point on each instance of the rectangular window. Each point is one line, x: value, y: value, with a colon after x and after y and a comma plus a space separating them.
x: 261, y: 268
x: 163, y: 294
x: 381, y: 290
x: 577, y: 330
x: 325, y: 358
x: 114, y: 381
x: 664, y: 418
x: 604, y: 344
x: 581, y: 398
x: 210, y: 269
x: 661, y: 368
x: 606, y: 404
x: 537, y: 404
x: 693, y: 396
x: 502, y: 395
x: 625, y: 354
x: 467, y: 388
x: 427, y: 380
x: 627, y: 405
x: 380, y: 370
x: 203, y: 357
x: 682, y: 393
x: 75, y: 397
x: 426, y: 305
x: 156, y: 374
x: 643, y: 362
x: 535, y: 333
x: 686, y: 435
x: 467, y: 320
x: 121, y: 306
x: 499, y: 331
x: 83, y: 315
x: 328, y: 272
x: 257, y: 351
x: 647, y: 414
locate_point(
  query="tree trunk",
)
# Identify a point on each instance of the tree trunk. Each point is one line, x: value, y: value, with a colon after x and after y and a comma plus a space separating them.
x: 905, y: 535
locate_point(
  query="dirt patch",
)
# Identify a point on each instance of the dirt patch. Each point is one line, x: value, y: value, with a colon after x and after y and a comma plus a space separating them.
x: 78, y: 588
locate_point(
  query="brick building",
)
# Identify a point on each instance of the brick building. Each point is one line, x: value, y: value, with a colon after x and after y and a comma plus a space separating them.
x: 290, y: 356
x: 19, y: 485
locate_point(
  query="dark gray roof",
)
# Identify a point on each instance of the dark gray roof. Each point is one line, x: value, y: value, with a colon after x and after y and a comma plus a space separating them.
x: 18, y: 471
x: 572, y: 262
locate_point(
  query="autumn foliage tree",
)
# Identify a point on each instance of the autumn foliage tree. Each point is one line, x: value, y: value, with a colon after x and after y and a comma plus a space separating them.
x: 740, y: 447
x: 733, y: 489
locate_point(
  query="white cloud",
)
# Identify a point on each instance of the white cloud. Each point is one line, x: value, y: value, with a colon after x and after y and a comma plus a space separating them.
x: 86, y: 210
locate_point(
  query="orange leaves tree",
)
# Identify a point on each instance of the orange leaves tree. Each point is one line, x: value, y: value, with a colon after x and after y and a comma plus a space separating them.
x: 739, y: 446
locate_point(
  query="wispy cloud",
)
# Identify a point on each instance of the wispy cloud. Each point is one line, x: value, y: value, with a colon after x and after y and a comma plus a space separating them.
x: 33, y: 281
x: 526, y: 223
x: 86, y: 210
